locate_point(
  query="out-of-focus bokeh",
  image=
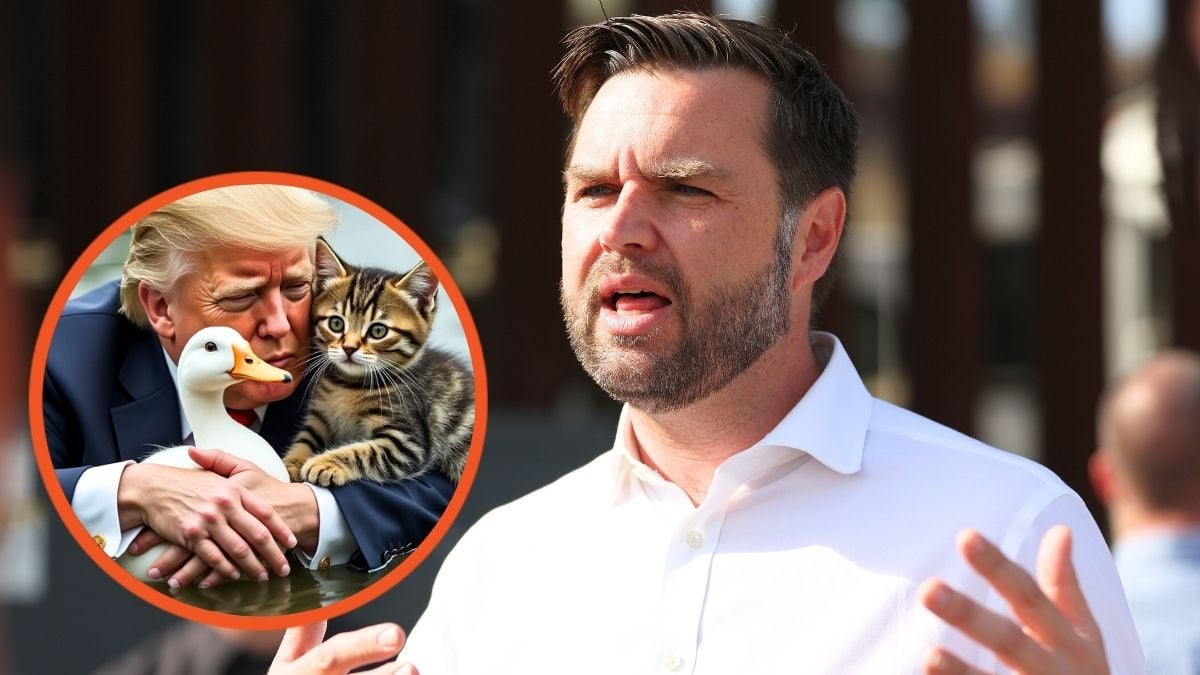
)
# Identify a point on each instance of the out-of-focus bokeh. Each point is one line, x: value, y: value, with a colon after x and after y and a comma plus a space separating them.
x: 1024, y: 226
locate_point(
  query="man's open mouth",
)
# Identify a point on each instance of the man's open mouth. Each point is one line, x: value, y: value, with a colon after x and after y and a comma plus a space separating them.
x: 634, y: 300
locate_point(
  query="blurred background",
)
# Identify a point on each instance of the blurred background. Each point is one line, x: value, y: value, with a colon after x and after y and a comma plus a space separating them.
x: 1024, y: 228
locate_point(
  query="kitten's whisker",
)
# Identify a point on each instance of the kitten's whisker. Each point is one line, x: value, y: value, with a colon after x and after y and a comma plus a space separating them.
x: 407, y: 380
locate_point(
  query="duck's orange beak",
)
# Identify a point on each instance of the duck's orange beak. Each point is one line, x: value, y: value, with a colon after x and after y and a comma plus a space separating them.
x: 247, y: 366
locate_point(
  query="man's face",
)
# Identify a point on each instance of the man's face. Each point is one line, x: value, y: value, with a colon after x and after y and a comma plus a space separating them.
x: 671, y: 287
x: 263, y: 296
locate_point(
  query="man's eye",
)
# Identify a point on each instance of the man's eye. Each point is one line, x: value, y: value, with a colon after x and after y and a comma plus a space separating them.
x: 297, y: 290
x: 594, y: 192
x: 690, y: 190
x: 237, y: 303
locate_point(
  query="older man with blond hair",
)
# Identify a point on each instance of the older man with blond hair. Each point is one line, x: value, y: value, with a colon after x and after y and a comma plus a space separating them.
x: 238, y: 256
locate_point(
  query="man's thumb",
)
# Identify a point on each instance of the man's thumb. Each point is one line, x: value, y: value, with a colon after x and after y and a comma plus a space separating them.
x: 219, y: 462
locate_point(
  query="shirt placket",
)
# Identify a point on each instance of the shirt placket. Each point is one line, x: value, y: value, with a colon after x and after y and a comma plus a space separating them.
x: 692, y: 541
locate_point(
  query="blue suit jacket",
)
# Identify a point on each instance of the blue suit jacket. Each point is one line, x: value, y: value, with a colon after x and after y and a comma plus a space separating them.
x: 109, y: 397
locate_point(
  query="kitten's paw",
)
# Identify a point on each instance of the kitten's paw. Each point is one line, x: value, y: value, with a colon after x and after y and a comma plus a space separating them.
x: 324, y: 472
x: 294, y: 466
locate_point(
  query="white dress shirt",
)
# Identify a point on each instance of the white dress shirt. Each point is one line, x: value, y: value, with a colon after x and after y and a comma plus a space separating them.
x: 95, y: 504
x: 804, y: 556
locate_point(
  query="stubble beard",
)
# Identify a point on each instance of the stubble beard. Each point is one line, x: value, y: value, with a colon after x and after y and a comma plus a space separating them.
x: 719, y: 338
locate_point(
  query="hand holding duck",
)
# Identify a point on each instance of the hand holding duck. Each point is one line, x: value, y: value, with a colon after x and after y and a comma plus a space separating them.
x: 214, y: 359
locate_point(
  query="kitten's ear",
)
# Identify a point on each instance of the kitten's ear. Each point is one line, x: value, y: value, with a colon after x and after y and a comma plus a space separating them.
x: 420, y: 284
x: 328, y: 265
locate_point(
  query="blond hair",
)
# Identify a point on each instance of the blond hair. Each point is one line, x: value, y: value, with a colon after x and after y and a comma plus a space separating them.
x: 255, y: 217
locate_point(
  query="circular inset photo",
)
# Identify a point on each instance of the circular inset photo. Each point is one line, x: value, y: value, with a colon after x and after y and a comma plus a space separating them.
x: 258, y: 400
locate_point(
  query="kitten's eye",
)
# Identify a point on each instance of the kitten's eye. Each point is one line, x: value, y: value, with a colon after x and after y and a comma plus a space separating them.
x: 210, y: 346
x: 336, y: 324
x: 377, y: 331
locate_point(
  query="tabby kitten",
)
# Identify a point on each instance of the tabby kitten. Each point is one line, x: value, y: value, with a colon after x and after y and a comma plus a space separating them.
x: 385, y: 407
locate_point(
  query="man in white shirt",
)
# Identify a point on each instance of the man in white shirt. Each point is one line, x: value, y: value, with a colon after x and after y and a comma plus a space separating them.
x: 759, y: 512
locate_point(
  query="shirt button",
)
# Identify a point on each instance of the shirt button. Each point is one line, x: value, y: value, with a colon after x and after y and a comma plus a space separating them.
x: 671, y: 661
x: 99, y: 539
x: 324, y: 564
x: 694, y: 538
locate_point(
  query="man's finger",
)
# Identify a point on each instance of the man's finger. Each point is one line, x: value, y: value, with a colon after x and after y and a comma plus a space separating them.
x: 193, y: 569
x: 1029, y: 604
x: 215, y: 558
x: 239, y: 551
x: 220, y: 462
x: 259, y: 538
x: 212, y: 579
x: 1056, y: 576
x: 942, y: 662
x: 391, y: 669
x: 297, y: 642
x: 1003, y: 637
x: 269, y: 517
x: 169, y: 562
x: 342, y: 652
x: 144, y: 541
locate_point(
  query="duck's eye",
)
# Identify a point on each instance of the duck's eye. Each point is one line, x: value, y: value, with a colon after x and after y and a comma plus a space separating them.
x: 336, y: 324
x: 377, y: 331
x: 210, y: 346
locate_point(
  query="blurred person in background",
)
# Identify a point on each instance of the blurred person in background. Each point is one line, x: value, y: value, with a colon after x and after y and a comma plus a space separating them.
x: 1146, y: 470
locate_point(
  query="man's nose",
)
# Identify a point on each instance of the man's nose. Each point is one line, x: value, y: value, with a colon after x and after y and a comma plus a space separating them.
x: 630, y: 223
x: 272, y: 316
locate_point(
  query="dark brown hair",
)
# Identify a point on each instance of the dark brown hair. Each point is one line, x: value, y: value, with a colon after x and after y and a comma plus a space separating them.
x: 812, y: 133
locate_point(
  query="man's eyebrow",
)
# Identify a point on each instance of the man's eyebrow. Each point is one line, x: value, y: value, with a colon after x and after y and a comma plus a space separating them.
x: 301, y: 272
x: 684, y: 168
x: 670, y: 169
x: 236, y: 288
x: 584, y: 174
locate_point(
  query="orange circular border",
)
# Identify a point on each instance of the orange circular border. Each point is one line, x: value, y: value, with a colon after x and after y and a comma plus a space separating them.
x: 59, y: 498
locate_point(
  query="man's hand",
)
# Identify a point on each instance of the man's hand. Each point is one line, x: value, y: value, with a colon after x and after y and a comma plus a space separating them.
x: 294, y: 502
x: 1054, y: 632
x: 303, y: 652
x: 172, y: 562
x: 178, y: 565
x: 225, y: 524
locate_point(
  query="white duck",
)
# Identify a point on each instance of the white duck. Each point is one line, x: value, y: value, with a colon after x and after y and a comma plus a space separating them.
x: 212, y: 360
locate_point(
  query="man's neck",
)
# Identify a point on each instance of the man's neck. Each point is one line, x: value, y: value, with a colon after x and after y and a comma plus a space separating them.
x: 686, y: 446
x: 1131, y: 522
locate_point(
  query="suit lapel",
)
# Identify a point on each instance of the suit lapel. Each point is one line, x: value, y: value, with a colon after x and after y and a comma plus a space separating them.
x: 151, y: 417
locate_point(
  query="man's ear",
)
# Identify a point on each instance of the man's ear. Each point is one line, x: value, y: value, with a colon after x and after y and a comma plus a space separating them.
x: 817, y: 236
x: 158, y: 311
x: 1100, y: 471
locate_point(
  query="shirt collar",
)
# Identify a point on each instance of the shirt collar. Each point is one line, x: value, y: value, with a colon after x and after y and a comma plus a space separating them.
x: 829, y: 423
x: 185, y: 427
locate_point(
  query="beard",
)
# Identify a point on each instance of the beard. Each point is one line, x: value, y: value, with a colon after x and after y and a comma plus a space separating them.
x: 719, y: 337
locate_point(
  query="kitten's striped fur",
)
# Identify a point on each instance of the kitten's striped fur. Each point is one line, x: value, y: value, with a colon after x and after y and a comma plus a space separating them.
x: 385, y: 407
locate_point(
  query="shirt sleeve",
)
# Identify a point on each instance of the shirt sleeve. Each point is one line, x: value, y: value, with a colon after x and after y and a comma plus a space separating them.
x: 335, y: 542
x: 1096, y: 572
x: 95, y: 504
x: 431, y: 644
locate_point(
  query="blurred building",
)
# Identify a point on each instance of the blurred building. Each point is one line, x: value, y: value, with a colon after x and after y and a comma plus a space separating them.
x: 1009, y: 248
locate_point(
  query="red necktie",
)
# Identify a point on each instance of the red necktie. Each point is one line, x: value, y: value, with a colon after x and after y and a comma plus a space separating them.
x: 243, y: 417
